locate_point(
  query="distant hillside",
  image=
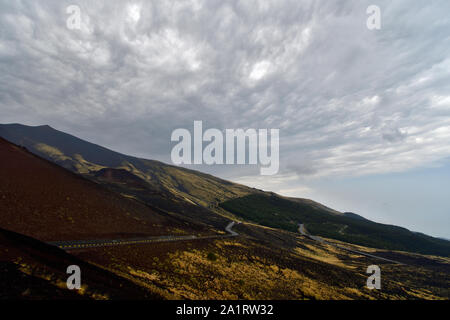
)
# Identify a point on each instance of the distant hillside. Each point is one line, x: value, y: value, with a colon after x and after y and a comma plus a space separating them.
x: 277, y: 212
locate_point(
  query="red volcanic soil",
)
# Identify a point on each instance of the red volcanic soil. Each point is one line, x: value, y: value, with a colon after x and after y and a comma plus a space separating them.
x: 47, y: 202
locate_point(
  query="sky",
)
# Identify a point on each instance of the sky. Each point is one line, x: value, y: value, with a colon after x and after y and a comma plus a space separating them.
x: 364, y: 115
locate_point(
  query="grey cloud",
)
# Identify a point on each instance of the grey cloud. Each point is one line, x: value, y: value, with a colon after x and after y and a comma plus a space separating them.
x: 302, y: 168
x: 393, y: 135
x: 309, y: 68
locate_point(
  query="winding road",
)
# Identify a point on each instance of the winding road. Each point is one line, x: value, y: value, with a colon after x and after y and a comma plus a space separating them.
x: 302, y: 230
x: 85, y: 244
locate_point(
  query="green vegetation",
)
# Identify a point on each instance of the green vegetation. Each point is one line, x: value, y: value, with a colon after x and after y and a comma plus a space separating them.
x: 274, y: 211
x: 211, y: 256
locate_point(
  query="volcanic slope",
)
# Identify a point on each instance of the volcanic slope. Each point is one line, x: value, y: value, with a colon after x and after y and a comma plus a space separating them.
x: 200, y: 198
x: 47, y: 202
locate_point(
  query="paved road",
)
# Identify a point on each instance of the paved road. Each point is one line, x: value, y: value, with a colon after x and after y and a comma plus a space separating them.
x: 85, y: 244
x: 301, y: 229
x: 228, y: 229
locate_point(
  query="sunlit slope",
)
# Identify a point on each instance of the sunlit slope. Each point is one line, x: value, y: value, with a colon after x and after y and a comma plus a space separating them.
x: 278, y: 212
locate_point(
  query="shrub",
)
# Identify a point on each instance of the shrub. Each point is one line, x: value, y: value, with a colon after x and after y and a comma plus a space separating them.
x: 211, y: 256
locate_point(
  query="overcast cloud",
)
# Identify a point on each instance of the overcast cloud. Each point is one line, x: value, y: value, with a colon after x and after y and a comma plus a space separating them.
x: 347, y: 100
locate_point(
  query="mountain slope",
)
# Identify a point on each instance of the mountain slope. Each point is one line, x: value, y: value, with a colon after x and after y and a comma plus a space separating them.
x: 87, y: 158
x: 45, y: 201
x: 278, y: 212
x: 202, y: 198
x: 160, y: 182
